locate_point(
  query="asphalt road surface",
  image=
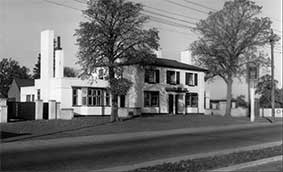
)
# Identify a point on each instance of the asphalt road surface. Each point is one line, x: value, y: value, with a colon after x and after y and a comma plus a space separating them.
x: 105, y: 155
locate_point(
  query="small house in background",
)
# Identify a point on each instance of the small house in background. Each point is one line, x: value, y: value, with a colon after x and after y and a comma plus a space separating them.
x: 218, y: 107
x: 14, y: 92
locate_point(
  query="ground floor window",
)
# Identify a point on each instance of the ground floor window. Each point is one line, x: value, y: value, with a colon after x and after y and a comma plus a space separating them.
x: 75, y: 96
x: 28, y: 99
x: 107, y: 99
x: 151, y: 99
x: 192, y: 99
x: 90, y: 97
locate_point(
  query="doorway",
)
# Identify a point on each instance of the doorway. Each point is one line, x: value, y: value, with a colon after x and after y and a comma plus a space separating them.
x: 171, y: 104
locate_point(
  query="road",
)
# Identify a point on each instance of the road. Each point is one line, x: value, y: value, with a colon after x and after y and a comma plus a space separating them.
x: 104, y: 155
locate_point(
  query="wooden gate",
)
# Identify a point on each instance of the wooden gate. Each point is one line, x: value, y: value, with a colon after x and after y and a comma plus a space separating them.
x: 21, y: 110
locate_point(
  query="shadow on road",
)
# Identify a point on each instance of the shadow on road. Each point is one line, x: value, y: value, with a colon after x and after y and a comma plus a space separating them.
x: 5, y: 135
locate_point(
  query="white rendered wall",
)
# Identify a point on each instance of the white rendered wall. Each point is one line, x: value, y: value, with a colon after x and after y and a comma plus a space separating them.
x: 59, y: 63
x: 85, y: 110
x: 137, y: 96
x: 27, y: 91
x: 46, y: 66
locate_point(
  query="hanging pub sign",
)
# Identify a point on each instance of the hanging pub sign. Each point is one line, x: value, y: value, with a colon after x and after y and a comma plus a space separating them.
x: 176, y: 89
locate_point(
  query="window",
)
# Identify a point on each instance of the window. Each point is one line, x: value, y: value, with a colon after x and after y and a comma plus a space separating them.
x: 173, y: 77
x: 100, y: 74
x: 122, y: 101
x: 192, y: 100
x: 75, y: 96
x: 95, y: 97
x: 151, y: 99
x: 84, y: 96
x: 107, y: 99
x: 32, y: 98
x: 151, y: 76
x: 38, y: 94
x: 189, y: 79
x: 28, y: 98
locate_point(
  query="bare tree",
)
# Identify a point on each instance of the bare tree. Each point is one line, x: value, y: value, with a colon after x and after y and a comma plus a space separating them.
x: 229, y: 41
x: 112, y: 33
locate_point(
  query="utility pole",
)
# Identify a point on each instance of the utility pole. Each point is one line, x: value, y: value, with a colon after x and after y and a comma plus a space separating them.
x: 249, y: 87
x: 272, y: 41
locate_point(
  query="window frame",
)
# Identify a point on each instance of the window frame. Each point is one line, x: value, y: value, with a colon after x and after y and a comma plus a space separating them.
x: 156, y: 76
x: 28, y: 98
x: 150, y: 95
x: 169, y: 77
x: 189, y: 100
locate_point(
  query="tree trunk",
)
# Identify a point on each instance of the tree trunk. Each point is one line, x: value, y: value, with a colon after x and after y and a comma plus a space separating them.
x: 114, y: 109
x: 229, y: 97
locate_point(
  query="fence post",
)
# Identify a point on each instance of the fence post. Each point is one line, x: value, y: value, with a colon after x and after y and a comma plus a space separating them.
x: 58, y: 110
x: 51, y: 109
x: 38, y: 110
x: 3, y: 110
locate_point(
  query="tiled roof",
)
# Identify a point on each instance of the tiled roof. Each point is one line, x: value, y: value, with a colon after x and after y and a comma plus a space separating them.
x: 24, y: 82
x: 161, y: 62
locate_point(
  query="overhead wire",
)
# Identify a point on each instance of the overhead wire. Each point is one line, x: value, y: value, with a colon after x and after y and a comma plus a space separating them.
x: 62, y: 5
x: 200, y: 5
x: 185, y: 6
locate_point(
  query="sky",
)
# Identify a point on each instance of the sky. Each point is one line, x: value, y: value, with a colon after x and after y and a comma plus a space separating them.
x: 21, y: 22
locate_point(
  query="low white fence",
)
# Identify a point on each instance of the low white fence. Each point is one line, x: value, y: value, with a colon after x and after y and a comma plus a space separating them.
x: 268, y: 112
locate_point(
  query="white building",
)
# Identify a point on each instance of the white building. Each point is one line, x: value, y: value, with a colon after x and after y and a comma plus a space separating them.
x: 168, y: 86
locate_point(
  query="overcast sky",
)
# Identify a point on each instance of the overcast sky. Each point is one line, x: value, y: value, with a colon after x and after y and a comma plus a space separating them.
x: 21, y: 22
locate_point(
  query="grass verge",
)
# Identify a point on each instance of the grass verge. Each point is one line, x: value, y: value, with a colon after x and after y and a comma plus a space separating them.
x: 209, y: 163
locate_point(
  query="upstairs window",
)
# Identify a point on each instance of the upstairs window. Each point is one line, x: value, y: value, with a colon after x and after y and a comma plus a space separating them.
x: 151, y: 99
x: 100, y: 74
x: 173, y: 77
x: 191, y: 100
x: 151, y: 76
x: 191, y: 79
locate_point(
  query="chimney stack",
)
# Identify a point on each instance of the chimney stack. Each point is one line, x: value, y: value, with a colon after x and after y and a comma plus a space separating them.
x: 158, y: 53
x: 186, y: 57
x: 59, y: 43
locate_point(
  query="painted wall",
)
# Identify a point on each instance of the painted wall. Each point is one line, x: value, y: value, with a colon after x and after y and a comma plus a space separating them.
x: 268, y: 113
x: 220, y: 108
x: 27, y: 91
x: 136, y: 94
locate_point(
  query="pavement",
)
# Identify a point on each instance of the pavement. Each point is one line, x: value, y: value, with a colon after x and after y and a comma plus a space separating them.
x: 203, y: 155
x: 101, y: 152
x: 98, y: 139
x: 273, y: 164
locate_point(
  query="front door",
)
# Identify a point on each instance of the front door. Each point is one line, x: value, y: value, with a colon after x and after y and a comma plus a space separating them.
x: 171, y: 104
x: 176, y: 104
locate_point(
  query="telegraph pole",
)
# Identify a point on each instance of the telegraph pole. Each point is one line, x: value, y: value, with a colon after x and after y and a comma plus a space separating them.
x: 272, y: 40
